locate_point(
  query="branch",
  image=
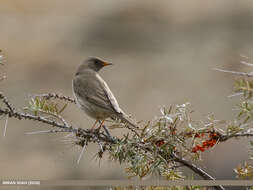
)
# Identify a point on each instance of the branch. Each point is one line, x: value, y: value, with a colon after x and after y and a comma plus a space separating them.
x: 71, y: 100
x: 104, y: 140
x: 224, y: 138
x: 81, y: 134
x: 6, y: 102
x: 197, y: 170
x: 56, y: 96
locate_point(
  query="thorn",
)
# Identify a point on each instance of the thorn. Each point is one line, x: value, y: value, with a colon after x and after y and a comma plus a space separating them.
x: 81, y: 154
x: 38, y: 132
x: 246, y: 63
x: 5, y: 125
x: 235, y: 94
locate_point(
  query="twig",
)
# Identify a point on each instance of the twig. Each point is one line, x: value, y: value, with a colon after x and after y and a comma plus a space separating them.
x: 20, y: 116
x: 56, y: 116
x: 246, y: 63
x: 47, y: 131
x: 235, y: 94
x: 197, y: 170
x: 6, y: 102
x: 235, y: 72
x: 63, y: 120
x: 227, y: 137
x: 56, y: 96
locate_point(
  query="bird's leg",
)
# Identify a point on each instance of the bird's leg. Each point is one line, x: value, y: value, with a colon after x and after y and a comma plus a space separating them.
x: 107, y: 132
x: 94, y: 125
x: 101, y: 124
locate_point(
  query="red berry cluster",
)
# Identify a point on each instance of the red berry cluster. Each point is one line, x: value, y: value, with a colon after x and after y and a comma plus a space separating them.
x: 213, y: 138
x: 159, y: 143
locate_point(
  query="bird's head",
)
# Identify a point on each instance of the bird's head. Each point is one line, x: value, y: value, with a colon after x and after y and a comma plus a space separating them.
x: 92, y: 63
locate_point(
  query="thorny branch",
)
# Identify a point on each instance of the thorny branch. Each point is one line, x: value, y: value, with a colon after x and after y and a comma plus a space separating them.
x: 48, y: 96
x: 102, y: 138
x: 80, y: 132
x: 6, y: 102
x: 56, y: 96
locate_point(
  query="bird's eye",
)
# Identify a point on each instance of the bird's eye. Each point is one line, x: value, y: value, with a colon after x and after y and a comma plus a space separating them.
x: 97, y: 62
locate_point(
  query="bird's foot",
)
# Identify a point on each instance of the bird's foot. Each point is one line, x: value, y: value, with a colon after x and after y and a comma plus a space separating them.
x: 94, y: 130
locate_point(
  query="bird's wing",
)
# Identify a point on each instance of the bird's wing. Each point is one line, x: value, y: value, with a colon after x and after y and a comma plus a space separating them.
x: 96, y: 91
x: 109, y: 95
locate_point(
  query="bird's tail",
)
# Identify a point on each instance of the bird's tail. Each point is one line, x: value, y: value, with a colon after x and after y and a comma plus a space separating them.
x: 126, y: 119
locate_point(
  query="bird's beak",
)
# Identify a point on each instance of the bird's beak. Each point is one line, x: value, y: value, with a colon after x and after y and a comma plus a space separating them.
x: 106, y: 64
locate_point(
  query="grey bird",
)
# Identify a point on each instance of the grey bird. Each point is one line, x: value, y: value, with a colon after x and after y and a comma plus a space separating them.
x: 93, y: 95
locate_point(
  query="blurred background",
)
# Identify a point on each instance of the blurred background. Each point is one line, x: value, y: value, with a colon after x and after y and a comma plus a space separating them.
x: 163, y: 52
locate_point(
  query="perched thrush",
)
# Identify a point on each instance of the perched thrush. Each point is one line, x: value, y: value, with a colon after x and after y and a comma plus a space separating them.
x: 93, y: 95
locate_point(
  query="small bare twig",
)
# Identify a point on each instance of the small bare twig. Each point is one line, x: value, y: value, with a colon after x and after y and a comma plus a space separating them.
x: 6, y: 102
x: 56, y: 96
x: 246, y: 63
x: 224, y: 138
x: 46, y: 131
x: 57, y: 116
x: 235, y: 72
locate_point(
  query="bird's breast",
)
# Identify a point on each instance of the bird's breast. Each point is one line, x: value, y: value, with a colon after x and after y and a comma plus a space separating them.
x: 91, y: 109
